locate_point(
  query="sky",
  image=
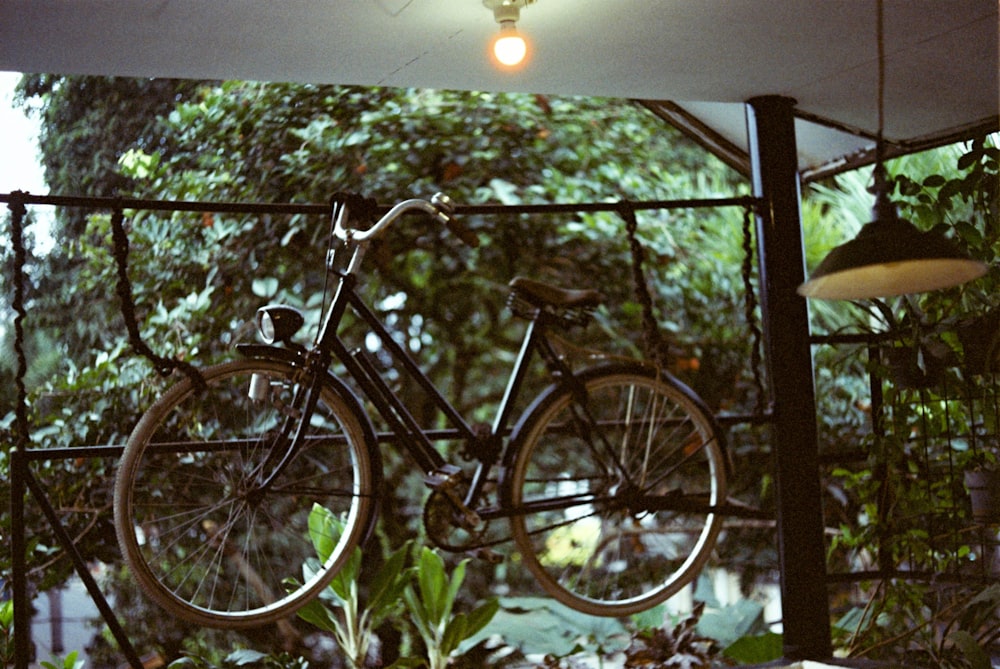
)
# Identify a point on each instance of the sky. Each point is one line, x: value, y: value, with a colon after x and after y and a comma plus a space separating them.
x: 19, y: 168
x: 19, y: 165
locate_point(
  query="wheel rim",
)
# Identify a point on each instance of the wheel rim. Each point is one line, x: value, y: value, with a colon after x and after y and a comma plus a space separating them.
x: 618, y: 549
x: 202, y: 536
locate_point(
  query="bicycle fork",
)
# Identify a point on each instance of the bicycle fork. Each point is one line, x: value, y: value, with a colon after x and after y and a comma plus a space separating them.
x: 286, y: 443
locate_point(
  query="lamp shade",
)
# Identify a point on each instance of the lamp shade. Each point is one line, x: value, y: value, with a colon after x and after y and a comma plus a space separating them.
x: 889, y: 257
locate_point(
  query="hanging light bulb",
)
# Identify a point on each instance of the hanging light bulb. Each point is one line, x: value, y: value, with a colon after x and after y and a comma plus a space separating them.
x: 889, y: 256
x: 509, y: 48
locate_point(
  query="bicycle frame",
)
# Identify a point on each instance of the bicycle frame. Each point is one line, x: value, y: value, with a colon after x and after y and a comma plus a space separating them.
x: 485, y: 443
x: 581, y: 475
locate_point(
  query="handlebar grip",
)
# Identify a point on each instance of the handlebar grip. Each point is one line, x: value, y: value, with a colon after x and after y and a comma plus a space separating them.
x: 446, y: 210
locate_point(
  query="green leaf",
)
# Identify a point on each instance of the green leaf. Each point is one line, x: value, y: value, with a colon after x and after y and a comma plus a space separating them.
x: 343, y: 584
x: 457, y: 577
x: 973, y: 652
x: 324, y: 530
x: 316, y: 614
x: 967, y: 159
x: 649, y: 618
x: 266, y: 287
x: 743, y: 617
x: 481, y: 616
x: 431, y: 577
x: 453, y: 635
x: 388, y: 585
x: 856, y: 620
x: 934, y: 181
x: 756, y: 649
x: 419, y: 614
x: 244, y: 656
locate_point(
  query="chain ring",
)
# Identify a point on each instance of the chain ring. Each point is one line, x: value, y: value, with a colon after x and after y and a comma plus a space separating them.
x: 444, y: 529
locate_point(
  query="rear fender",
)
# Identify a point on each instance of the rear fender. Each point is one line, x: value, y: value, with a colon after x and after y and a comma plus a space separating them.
x: 555, y: 390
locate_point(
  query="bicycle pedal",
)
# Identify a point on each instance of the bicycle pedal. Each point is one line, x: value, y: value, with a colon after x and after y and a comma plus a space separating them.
x: 444, y: 476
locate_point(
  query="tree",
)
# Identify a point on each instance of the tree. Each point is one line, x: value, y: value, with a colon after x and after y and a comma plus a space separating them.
x: 198, y: 278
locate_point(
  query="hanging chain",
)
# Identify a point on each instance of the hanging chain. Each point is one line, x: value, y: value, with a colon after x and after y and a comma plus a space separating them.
x: 164, y: 366
x: 750, y: 313
x: 18, y: 212
x: 655, y: 345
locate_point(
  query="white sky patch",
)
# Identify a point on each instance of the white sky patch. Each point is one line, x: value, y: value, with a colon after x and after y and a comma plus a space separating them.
x: 20, y: 168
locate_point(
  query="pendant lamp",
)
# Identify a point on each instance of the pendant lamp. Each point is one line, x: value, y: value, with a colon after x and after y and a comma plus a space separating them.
x: 889, y: 256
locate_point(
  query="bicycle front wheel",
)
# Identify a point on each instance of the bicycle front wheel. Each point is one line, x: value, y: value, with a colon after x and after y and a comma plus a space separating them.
x: 613, y: 485
x: 213, y: 518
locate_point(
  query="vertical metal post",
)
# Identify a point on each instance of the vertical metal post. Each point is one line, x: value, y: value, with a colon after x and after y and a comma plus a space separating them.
x: 801, y: 551
x: 19, y: 589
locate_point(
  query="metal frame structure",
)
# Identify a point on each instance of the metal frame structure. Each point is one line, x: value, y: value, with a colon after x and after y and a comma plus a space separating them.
x: 788, y: 355
x: 23, y: 482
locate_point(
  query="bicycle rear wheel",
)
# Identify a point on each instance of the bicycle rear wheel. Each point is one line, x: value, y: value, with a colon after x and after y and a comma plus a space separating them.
x: 615, y: 487
x: 202, y: 536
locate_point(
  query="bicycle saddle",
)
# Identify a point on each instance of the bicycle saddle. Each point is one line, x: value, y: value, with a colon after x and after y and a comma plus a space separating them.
x: 542, y: 294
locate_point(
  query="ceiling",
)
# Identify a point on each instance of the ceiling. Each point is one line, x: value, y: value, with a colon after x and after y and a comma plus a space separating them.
x: 696, y: 61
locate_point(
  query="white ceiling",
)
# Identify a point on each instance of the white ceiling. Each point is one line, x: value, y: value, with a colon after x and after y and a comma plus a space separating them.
x: 707, y: 56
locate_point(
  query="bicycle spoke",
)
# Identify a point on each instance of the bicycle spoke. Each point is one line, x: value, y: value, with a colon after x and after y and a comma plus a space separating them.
x: 226, y: 509
x: 612, y: 530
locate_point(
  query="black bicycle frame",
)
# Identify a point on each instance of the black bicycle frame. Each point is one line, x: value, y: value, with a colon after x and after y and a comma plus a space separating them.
x: 486, y: 446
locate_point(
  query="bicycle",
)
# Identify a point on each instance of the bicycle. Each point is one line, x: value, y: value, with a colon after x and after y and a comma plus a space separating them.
x: 610, y: 480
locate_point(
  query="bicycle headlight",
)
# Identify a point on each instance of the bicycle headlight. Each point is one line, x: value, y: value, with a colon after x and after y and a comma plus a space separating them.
x: 278, y: 323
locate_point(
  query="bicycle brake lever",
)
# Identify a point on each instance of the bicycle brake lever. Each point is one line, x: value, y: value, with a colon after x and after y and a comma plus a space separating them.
x: 446, y: 209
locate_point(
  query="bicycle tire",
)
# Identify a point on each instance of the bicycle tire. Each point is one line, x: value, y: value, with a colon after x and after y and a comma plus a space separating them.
x: 198, y: 533
x: 615, y: 515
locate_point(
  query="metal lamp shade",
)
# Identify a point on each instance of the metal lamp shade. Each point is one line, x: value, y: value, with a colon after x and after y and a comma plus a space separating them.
x: 889, y: 257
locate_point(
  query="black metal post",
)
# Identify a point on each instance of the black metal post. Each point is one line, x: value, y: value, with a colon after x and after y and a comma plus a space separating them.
x: 19, y: 589
x: 801, y: 551
x: 82, y: 571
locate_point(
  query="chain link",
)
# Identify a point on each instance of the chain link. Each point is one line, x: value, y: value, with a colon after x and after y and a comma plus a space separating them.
x: 18, y: 212
x: 164, y: 366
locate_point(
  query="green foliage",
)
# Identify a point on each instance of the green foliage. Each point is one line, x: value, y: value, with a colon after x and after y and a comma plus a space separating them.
x: 913, y: 624
x: 7, y: 632
x: 353, y: 619
x: 70, y: 661
x: 431, y: 607
x: 86, y: 123
x: 543, y: 626
x: 339, y: 609
x: 758, y: 649
x: 904, y: 506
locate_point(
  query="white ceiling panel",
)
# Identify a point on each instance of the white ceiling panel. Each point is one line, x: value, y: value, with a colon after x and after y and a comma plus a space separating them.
x: 706, y: 55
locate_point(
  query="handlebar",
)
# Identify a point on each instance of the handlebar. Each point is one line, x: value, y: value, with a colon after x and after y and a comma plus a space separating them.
x: 440, y: 207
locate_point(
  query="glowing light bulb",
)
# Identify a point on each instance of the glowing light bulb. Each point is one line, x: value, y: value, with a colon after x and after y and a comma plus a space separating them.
x: 510, y: 48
